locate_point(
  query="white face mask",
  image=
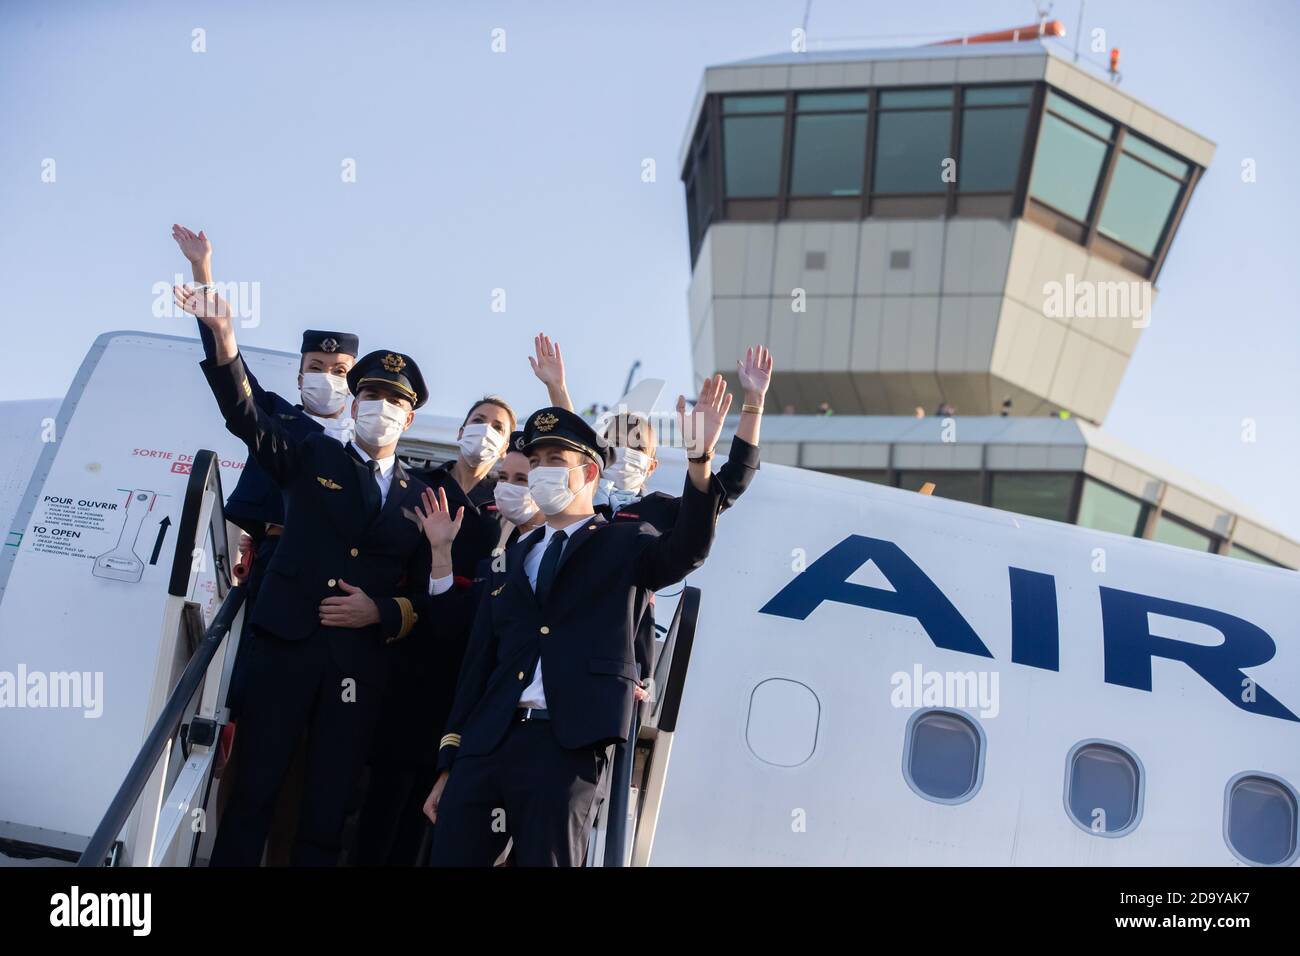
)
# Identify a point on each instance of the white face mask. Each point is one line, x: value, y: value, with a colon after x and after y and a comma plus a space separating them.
x: 380, y: 423
x: 515, y: 502
x: 481, y: 442
x: 629, y: 470
x: 323, y: 394
x: 549, y: 487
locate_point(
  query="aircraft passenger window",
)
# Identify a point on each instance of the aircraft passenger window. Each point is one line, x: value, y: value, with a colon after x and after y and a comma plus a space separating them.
x: 1260, y: 820
x: 943, y: 758
x: 1103, y: 788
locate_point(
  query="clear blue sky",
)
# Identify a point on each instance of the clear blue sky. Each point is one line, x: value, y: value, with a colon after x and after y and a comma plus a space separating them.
x: 522, y: 171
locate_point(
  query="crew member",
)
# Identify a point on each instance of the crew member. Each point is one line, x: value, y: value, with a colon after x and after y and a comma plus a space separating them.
x: 548, y: 682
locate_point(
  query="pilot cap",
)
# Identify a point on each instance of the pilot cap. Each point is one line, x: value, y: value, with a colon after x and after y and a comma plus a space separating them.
x: 394, y: 369
x: 559, y: 426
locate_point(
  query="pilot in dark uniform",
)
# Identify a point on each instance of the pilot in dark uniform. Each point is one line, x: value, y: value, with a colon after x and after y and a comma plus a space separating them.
x: 549, y: 676
x: 349, y: 577
x: 404, y: 753
x: 256, y: 504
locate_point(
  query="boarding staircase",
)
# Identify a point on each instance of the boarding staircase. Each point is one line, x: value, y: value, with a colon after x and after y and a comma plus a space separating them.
x: 163, y: 813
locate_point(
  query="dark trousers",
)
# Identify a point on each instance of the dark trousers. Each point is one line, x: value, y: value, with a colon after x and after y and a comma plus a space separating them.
x: 392, y: 828
x: 294, y: 689
x: 531, y: 789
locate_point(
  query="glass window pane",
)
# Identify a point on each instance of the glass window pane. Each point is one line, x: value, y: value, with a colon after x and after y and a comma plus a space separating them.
x: 1237, y: 551
x: 1105, y: 509
x: 1173, y: 532
x: 996, y: 96
x: 1103, y: 788
x: 753, y: 104
x: 910, y: 150
x: 814, y: 102
x: 1138, y: 204
x: 829, y: 155
x: 1042, y: 496
x: 1085, y: 118
x: 990, y: 150
x: 1066, y: 168
x: 957, y: 485
x: 752, y: 154
x: 943, y: 756
x: 1262, y: 820
x: 1153, y: 154
x: 901, y: 98
x: 704, y: 185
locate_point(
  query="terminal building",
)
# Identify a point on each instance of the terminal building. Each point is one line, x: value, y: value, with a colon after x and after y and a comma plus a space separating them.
x: 971, y: 232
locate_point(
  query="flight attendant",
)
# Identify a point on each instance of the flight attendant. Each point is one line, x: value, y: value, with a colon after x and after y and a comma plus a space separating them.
x: 349, y: 578
x: 548, y: 681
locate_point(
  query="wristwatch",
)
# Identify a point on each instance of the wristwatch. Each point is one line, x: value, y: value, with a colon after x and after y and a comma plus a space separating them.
x: 707, y: 456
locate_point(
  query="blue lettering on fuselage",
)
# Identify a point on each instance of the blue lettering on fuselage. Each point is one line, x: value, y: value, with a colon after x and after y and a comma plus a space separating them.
x: 1127, y: 640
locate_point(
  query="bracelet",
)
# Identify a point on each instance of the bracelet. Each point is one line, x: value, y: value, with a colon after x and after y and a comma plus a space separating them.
x: 707, y: 456
x: 753, y: 409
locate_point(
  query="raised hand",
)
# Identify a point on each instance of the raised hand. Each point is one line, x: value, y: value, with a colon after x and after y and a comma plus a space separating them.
x: 755, y: 373
x: 701, y: 432
x: 548, y: 365
x: 436, y: 521
x: 194, y: 246
x: 205, y: 305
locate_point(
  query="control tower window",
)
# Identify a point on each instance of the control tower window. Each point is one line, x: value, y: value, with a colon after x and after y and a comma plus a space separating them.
x: 753, y: 128
x: 1072, y: 147
x: 913, y: 138
x: 1143, y: 191
x: 1039, y: 495
x: 1105, y: 509
x: 1172, y: 531
x: 830, y: 145
x: 1245, y: 554
x: 992, y: 138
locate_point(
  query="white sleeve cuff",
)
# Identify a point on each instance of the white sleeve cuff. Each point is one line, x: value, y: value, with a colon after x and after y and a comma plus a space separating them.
x: 440, y: 585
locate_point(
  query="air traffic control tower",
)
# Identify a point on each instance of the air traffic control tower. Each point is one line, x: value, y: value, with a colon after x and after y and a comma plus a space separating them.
x: 975, y: 224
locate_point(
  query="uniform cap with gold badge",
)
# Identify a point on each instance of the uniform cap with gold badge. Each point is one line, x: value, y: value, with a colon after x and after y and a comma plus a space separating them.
x: 559, y: 426
x: 334, y: 343
x: 394, y: 369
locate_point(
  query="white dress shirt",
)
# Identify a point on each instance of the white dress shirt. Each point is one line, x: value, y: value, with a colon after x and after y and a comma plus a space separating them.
x: 534, y: 695
x: 385, y: 477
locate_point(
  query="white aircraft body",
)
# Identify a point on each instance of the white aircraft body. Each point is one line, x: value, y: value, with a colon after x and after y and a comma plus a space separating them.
x: 876, y: 677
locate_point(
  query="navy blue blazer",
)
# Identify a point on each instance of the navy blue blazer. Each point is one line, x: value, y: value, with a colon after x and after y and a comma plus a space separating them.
x: 330, y: 535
